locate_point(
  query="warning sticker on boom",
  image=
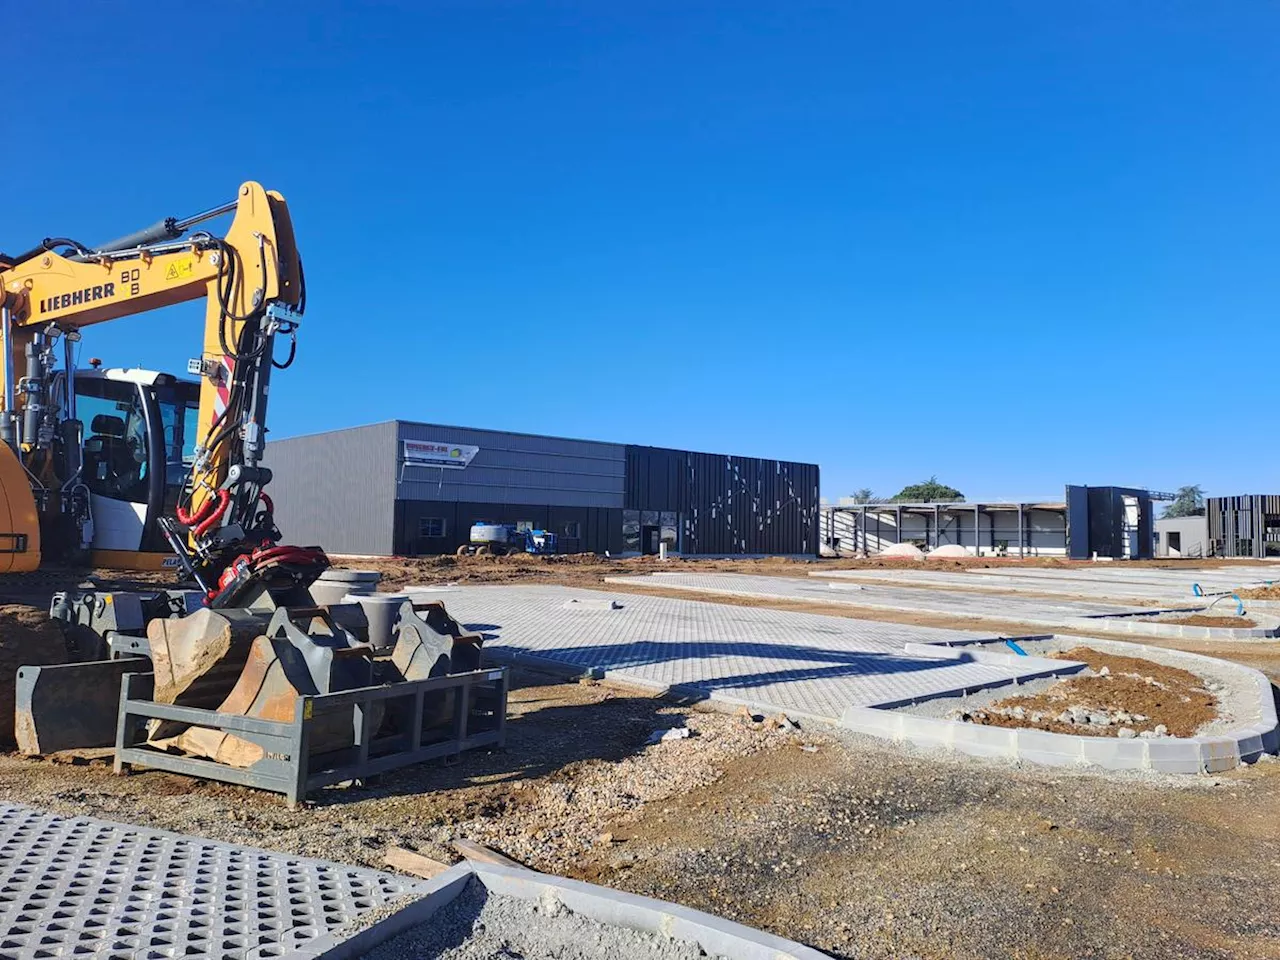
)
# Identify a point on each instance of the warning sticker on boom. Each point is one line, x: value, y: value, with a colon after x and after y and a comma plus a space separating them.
x: 181, y: 269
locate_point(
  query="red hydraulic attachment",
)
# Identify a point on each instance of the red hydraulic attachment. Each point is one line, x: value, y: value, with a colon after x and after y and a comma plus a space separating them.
x: 207, y: 517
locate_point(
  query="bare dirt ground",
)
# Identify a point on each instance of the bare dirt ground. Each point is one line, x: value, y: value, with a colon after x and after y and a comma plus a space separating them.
x: 1260, y: 593
x: 1202, y: 620
x: 855, y: 846
x: 1162, y: 695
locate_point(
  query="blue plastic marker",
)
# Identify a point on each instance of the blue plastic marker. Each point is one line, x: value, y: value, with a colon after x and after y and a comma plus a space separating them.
x: 1015, y: 648
x: 1196, y: 591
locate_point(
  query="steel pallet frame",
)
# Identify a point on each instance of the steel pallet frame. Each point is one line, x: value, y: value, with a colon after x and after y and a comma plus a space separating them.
x: 288, y: 765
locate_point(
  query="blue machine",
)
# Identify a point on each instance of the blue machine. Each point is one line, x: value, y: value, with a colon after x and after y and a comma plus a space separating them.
x: 500, y: 539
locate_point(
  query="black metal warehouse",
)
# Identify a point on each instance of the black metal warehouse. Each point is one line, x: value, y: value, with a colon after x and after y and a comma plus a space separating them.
x: 407, y: 488
x: 1247, y: 525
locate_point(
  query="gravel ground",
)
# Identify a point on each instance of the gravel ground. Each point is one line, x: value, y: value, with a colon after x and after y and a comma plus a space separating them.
x: 857, y: 847
x: 479, y: 925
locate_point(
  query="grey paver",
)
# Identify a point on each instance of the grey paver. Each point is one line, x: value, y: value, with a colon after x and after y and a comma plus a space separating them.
x: 877, y: 597
x: 1057, y: 613
x: 78, y: 886
x: 1214, y: 579
x: 1006, y: 583
x: 799, y: 663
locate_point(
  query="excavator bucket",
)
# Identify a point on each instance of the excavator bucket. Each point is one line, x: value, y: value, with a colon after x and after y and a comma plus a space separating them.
x: 298, y: 653
x: 19, y: 521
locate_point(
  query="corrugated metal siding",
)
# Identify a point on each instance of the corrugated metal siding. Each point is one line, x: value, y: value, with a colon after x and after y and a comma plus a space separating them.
x: 728, y: 504
x: 513, y: 468
x: 336, y: 489
x: 1244, y: 526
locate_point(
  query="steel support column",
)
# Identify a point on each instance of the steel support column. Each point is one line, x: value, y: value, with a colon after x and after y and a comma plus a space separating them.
x: 1021, y: 536
x: 977, y: 532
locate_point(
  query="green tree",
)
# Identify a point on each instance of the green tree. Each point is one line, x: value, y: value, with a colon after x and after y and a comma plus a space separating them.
x: 1187, y: 502
x: 931, y: 491
x: 864, y: 495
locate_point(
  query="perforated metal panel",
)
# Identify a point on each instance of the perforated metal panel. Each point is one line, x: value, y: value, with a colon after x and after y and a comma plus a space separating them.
x: 80, y: 887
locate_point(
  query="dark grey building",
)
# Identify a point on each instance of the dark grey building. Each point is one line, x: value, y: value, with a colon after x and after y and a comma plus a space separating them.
x: 1115, y: 522
x: 404, y: 488
x: 1247, y: 525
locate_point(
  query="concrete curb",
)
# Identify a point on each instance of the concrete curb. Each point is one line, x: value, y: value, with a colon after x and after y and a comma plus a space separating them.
x: 716, y: 936
x: 434, y: 894
x: 1204, y: 754
x: 1145, y: 624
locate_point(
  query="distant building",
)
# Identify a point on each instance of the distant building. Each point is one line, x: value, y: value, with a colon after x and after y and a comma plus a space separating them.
x: 406, y: 488
x: 1113, y: 522
x: 1183, y: 537
x: 1244, y: 526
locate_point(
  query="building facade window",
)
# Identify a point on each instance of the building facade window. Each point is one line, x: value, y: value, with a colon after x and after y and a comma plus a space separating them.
x: 573, y: 530
x: 431, y: 527
x: 523, y: 525
x: 631, y: 531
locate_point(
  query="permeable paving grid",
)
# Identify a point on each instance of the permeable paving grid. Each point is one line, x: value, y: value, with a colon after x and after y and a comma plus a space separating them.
x: 794, y: 662
x: 82, y: 887
x: 873, y: 596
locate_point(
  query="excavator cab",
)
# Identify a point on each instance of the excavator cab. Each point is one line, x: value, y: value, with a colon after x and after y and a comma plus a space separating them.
x: 139, y: 444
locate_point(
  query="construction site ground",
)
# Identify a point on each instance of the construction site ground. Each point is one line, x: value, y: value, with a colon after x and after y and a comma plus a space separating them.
x: 858, y: 847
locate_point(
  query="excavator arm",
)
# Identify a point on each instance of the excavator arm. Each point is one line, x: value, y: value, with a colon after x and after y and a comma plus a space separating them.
x: 252, y: 282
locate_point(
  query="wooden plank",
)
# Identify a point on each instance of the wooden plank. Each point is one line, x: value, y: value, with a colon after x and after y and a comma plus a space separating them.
x: 482, y: 854
x: 407, y: 861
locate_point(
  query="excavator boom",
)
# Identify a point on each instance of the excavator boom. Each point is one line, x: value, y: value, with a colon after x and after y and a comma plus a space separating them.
x: 252, y: 282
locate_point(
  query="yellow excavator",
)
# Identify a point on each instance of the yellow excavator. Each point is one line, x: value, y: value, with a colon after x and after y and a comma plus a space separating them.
x: 105, y: 465
x: 233, y: 670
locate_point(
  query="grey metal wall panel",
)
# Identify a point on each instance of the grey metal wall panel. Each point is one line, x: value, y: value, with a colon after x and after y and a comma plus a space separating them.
x: 337, y: 489
x: 514, y: 468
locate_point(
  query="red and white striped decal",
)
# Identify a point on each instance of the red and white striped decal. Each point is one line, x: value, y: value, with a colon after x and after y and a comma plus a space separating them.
x: 223, y: 385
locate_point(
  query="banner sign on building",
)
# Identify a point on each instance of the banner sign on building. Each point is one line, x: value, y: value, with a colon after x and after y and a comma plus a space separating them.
x: 428, y: 453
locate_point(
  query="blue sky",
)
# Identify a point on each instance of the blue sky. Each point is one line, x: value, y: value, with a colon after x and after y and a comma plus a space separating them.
x: 1012, y: 244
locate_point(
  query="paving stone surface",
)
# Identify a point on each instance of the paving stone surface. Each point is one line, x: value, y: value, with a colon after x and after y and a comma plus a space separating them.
x: 1105, y: 591
x: 83, y: 887
x: 794, y: 662
x: 1220, y: 578
x: 874, y: 596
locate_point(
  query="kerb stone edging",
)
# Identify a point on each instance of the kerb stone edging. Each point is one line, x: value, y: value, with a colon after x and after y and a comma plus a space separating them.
x: 1206, y: 754
x: 715, y: 935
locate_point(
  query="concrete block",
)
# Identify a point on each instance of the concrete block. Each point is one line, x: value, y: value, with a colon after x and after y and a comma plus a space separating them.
x: 1050, y: 749
x: 928, y: 729
x: 1112, y: 753
x: 877, y: 723
x: 980, y: 741
x: 1219, y: 753
x: 1174, y: 756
